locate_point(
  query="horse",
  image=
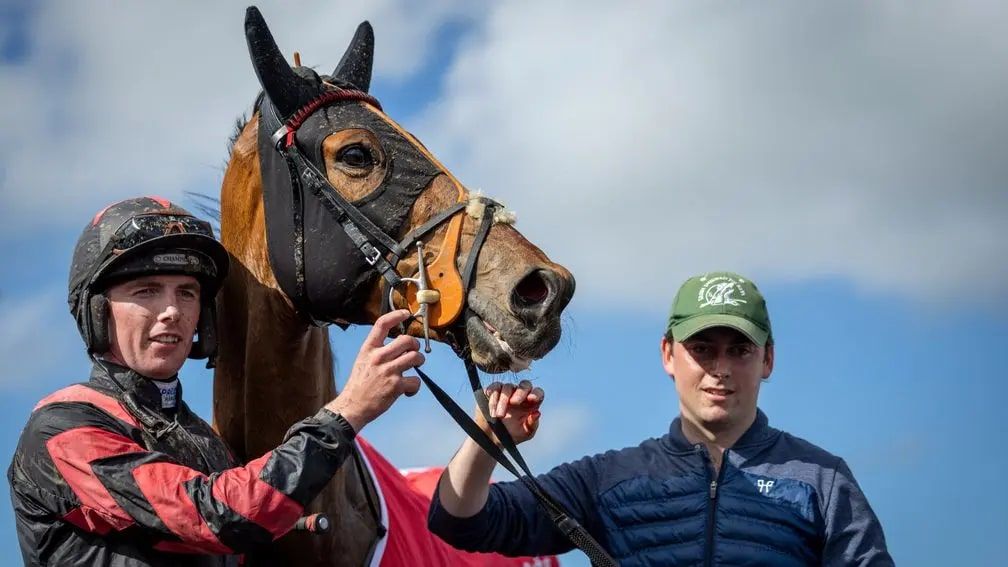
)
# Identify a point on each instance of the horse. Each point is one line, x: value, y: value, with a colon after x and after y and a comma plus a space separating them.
x: 296, y: 268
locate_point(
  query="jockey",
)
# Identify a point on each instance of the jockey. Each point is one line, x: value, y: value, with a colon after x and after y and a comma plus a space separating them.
x: 722, y: 487
x: 118, y: 470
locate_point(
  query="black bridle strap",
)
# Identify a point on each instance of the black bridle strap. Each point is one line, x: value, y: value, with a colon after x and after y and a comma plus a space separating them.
x: 358, y: 227
x: 415, y: 234
x: 481, y: 234
x: 318, y: 181
x: 361, y: 230
x: 297, y: 199
x: 466, y: 275
x: 567, y: 525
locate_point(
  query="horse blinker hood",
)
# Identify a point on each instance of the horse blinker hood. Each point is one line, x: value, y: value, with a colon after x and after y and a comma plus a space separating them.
x: 308, y: 251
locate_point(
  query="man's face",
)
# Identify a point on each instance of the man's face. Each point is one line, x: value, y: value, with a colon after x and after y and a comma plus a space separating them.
x: 717, y: 373
x: 152, y: 323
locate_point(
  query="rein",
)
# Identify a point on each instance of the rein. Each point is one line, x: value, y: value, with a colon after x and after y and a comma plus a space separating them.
x: 449, y: 297
x: 571, y: 528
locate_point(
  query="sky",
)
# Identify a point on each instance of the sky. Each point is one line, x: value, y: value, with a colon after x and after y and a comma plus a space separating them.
x: 848, y: 157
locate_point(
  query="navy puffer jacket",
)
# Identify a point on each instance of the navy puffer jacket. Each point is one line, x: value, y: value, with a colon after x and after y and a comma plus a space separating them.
x: 777, y: 500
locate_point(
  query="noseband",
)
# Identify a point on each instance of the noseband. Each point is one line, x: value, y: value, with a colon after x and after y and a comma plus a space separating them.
x: 439, y: 289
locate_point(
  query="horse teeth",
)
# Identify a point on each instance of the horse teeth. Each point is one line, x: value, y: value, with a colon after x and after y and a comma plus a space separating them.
x: 517, y: 363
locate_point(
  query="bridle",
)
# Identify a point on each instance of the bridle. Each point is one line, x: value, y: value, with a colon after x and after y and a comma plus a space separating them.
x: 440, y: 290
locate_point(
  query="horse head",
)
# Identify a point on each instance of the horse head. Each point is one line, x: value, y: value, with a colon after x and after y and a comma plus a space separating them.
x: 348, y: 193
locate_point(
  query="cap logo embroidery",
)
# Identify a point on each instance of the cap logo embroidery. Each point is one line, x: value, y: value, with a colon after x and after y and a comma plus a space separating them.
x: 720, y: 290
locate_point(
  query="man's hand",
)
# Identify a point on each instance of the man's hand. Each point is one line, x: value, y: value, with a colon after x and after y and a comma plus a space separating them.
x: 377, y: 380
x: 517, y: 407
x: 464, y: 486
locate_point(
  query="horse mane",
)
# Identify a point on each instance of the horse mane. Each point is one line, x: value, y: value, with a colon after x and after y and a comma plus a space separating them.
x: 209, y: 208
x: 242, y: 121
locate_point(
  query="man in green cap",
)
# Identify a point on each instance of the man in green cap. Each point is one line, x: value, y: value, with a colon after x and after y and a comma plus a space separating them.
x: 718, y: 349
x: 722, y: 487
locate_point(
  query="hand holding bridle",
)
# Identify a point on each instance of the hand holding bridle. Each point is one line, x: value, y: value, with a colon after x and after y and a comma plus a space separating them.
x: 377, y: 380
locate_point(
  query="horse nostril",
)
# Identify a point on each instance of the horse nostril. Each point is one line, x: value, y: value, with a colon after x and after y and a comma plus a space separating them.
x: 531, y: 290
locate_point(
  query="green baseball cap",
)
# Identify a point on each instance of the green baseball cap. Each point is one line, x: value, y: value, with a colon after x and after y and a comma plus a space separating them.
x: 719, y: 299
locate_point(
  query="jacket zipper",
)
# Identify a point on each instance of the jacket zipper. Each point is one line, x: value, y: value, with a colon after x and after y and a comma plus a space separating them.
x: 712, y: 506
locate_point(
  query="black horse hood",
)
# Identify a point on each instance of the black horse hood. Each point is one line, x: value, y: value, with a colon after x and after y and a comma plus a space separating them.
x: 332, y: 285
x: 315, y: 262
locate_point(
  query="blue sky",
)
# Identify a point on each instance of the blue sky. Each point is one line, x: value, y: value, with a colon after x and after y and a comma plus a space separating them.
x: 849, y: 158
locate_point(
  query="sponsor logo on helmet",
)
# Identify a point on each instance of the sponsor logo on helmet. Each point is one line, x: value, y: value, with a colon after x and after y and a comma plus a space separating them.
x: 175, y: 259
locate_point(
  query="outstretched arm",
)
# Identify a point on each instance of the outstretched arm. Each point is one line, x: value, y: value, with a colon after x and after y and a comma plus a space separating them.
x: 463, y: 487
x: 80, y: 461
x: 470, y: 514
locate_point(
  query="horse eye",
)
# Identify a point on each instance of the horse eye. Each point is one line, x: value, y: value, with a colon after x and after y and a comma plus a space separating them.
x: 356, y: 156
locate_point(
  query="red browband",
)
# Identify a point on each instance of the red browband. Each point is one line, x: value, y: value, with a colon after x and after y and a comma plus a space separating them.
x: 330, y: 96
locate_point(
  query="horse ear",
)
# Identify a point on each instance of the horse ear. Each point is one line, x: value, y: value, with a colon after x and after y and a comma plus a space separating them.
x: 355, y: 66
x: 286, y: 90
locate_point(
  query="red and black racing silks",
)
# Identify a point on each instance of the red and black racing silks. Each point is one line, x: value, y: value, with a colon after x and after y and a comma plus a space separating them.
x: 103, y: 476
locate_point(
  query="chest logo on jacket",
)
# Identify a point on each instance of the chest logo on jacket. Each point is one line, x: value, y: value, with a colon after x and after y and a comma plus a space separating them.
x: 764, y: 486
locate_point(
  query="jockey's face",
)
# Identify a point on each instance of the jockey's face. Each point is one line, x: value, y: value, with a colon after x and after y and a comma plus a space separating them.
x: 152, y: 321
x: 717, y: 373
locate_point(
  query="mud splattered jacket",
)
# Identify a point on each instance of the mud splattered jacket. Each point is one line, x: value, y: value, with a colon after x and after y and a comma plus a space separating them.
x: 103, y: 476
x: 777, y: 500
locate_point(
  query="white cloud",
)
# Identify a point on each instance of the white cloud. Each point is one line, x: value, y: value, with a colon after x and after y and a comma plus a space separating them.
x: 117, y: 99
x: 641, y: 143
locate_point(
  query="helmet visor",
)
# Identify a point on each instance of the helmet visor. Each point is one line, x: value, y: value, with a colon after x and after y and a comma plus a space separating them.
x: 142, y: 228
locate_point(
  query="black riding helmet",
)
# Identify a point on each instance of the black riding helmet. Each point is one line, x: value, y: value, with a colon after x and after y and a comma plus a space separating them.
x: 143, y: 236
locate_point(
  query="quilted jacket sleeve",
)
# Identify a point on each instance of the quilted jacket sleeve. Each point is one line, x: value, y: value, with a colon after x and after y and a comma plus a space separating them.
x: 853, y: 532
